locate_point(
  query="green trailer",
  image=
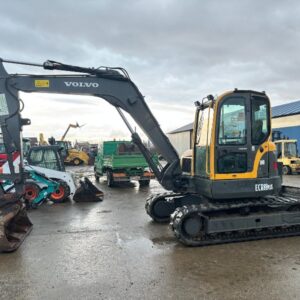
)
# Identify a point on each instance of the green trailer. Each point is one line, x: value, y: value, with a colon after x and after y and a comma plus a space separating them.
x: 122, y: 161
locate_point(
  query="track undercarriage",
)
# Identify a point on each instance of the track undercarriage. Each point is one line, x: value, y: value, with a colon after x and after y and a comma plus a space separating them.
x: 197, y: 221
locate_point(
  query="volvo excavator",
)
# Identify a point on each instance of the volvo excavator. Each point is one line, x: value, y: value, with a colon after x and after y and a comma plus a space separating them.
x: 233, y: 191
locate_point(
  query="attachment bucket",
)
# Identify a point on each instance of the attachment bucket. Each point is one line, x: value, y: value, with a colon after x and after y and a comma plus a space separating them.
x: 14, y: 226
x: 87, y: 192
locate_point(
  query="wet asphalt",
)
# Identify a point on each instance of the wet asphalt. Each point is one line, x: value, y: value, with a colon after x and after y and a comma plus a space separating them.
x: 112, y: 250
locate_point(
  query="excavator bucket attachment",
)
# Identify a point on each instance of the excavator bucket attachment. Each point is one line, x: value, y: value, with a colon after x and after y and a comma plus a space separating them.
x: 14, y: 226
x: 87, y: 192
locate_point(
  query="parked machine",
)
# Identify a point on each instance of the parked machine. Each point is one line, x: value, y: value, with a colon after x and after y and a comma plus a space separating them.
x: 71, y: 155
x: 122, y: 161
x: 287, y: 153
x: 47, y: 160
x: 37, y: 187
x: 234, y: 192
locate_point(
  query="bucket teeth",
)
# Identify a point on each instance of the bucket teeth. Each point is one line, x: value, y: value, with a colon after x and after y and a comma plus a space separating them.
x: 14, y: 226
x: 87, y: 192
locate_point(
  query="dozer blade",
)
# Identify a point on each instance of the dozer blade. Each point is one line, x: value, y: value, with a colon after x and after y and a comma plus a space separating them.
x: 87, y: 192
x: 14, y: 226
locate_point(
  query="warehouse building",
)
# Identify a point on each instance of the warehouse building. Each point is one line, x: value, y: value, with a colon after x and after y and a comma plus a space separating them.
x: 182, y: 138
x: 285, y: 118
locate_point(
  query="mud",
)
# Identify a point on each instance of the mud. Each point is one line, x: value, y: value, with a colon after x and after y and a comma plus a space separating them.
x: 112, y: 250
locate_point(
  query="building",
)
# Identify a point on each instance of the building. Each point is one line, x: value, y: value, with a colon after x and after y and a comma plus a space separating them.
x: 285, y: 118
x: 181, y: 138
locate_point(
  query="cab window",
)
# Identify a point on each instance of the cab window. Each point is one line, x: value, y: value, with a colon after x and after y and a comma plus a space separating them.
x: 128, y: 149
x: 44, y: 158
x: 260, y: 121
x: 290, y: 149
x: 50, y: 161
x: 36, y: 157
x: 232, y: 126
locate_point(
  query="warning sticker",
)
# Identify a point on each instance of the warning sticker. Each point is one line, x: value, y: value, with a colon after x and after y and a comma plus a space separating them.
x: 3, y: 105
x: 42, y: 83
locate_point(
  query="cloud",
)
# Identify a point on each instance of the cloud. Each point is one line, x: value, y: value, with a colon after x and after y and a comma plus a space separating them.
x: 175, y: 51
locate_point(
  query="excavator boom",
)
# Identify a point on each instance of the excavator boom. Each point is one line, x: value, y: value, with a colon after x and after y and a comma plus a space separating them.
x: 110, y: 84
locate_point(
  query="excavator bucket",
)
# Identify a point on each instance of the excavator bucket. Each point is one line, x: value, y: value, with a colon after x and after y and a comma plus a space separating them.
x: 87, y: 192
x: 14, y: 226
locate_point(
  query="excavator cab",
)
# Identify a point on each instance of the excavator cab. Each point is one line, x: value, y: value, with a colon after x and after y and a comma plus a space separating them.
x: 232, y: 154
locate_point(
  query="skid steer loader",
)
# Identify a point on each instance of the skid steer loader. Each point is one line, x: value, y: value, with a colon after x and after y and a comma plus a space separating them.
x: 47, y: 160
x: 234, y: 191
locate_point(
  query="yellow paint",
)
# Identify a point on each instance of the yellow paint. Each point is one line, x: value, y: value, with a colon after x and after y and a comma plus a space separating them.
x: 41, y: 83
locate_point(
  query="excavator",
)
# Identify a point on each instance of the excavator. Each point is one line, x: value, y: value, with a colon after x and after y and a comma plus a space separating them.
x: 234, y: 190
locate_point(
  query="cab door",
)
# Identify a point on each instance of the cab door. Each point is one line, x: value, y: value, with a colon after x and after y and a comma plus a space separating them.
x: 242, y: 126
x: 231, y: 136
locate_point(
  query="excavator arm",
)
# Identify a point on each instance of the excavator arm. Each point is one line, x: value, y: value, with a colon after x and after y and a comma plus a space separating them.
x: 110, y: 84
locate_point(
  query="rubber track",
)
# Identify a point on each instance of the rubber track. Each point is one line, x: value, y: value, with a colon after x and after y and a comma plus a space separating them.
x: 271, y: 202
x: 151, y: 199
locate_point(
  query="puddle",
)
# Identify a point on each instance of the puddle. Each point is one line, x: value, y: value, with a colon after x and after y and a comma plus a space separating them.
x: 163, y: 240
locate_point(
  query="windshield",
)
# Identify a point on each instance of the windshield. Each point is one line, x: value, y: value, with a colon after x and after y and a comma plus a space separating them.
x: 44, y: 158
x: 290, y: 149
x: 232, y: 126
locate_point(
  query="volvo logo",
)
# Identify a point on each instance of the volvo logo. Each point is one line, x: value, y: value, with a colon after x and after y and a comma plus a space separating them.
x: 81, y: 84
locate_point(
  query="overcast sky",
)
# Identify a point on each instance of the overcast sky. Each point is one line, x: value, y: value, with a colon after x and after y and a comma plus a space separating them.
x: 175, y: 51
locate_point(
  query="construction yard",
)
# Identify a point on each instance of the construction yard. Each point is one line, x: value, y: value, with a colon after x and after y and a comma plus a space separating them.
x: 149, y: 150
x: 112, y: 250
